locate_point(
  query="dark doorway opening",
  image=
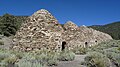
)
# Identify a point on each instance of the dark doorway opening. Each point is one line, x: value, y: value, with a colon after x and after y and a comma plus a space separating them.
x: 63, y: 45
x: 86, y: 44
x: 96, y: 41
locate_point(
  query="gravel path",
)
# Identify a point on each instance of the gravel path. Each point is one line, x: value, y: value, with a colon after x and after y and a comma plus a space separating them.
x: 75, y: 63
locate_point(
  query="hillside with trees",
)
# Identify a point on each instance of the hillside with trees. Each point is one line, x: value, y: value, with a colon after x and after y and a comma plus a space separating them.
x: 112, y: 29
x: 9, y: 24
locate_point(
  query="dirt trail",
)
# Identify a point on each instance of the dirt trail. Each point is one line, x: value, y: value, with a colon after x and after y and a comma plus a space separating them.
x: 75, y: 63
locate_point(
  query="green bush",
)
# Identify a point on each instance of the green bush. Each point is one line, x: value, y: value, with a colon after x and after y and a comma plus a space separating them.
x: 66, y: 55
x: 95, y: 59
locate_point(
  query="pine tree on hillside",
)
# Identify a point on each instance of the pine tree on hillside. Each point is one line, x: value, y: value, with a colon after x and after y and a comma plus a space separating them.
x: 8, y: 25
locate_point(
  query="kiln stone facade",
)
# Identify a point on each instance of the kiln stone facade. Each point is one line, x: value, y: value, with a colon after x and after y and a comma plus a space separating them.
x: 42, y: 31
x: 82, y: 36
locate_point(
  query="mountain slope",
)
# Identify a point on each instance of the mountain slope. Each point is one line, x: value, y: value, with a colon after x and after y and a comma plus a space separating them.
x: 112, y: 29
x: 9, y: 24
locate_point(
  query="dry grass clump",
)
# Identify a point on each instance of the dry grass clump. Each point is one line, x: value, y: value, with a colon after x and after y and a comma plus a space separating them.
x: 66, y: 55
x: 39, y: 58
x: 95, y: 59
x: 80, y: 50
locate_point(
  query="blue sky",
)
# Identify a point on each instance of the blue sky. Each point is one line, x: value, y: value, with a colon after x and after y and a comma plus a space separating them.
x: 81, y: 12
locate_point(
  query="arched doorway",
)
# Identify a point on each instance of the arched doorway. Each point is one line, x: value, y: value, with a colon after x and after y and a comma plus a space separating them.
x: 63, y: 45
x: 96, y: 41
x: 86, y: 44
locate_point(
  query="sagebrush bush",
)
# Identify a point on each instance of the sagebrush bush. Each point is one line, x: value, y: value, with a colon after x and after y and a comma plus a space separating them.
x: 44, y: 57
x: 115, y: 50
x: 95, y: 59
x: 3, y: 55
x: 47, y: 57
x: 66, y: 55
x: 7, y: 58
x: 26, y: 63
x: 109, y: 44
x: 109, y: 49
x: 80, y: 50
x: 11, y: 59
x: 114, y: 57
x: 38, y: 58
x: 19, y: 55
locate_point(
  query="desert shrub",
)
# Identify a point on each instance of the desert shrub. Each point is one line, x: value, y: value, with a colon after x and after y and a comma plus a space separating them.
x: 11, y: 59
x: 115, y: 50
x: 66, y: 56
x: 1, y: 43
x: 28, y: 60
x: 80, y: 50
x: 37, y: 58
x: 19, y: 54
x: 95, y: 49
x: 3, y: 55
x: 42, y: 56
x: 26, y: 63
x: 6, y: 58
x: 106, y: 45
x: 112, y: 43
x: 119, y: 48
x: 95, y: 59
x: 109, y: 49
x: 52, y: 60
x: 2, y: 64
x: 114, y: 57
x: 47, y: 57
